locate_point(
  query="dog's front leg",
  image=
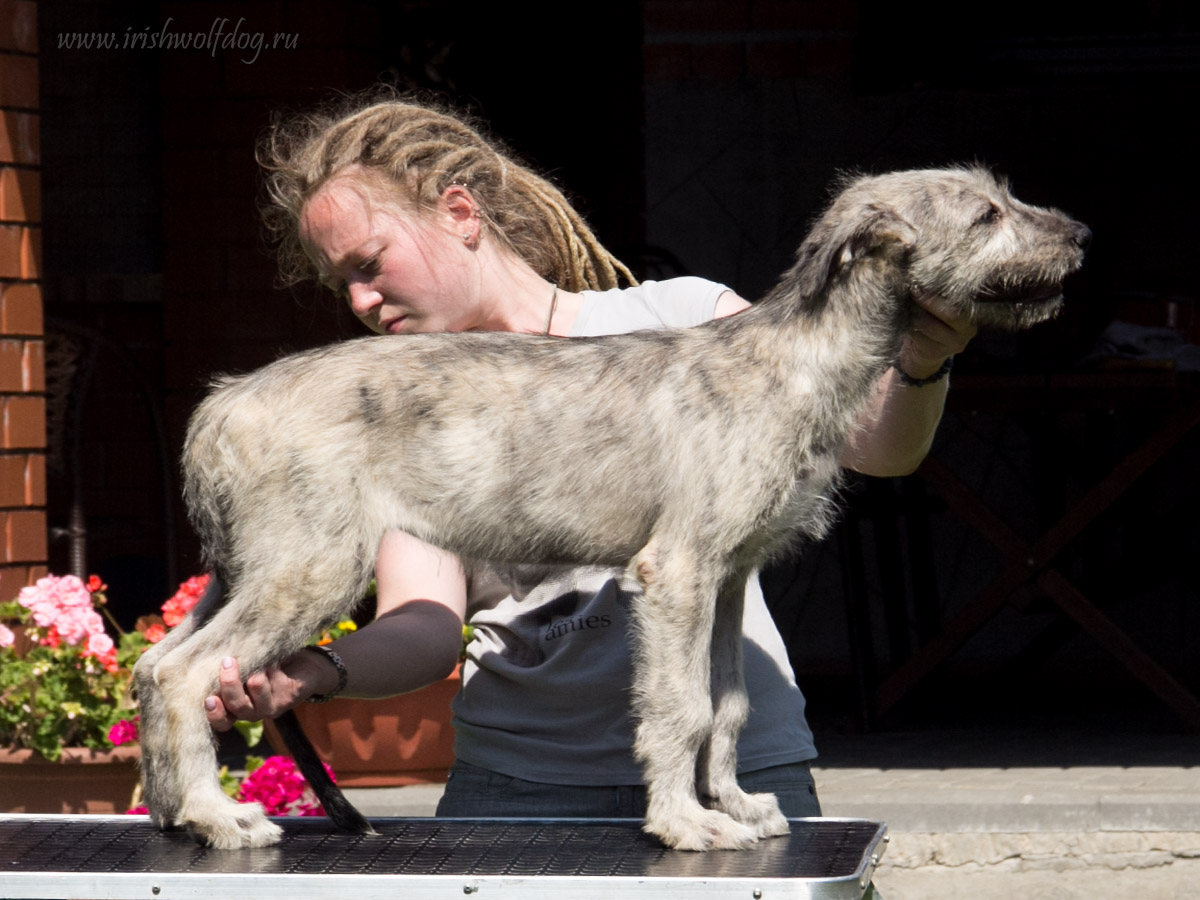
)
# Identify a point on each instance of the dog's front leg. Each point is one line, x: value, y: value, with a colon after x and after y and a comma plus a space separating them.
x: 672, y: 701
x: 731, y: 707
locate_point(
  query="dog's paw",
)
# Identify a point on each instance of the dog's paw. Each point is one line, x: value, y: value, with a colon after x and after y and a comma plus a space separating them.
x: 772, y: 823
x: 234, y: 827
x: 700, y: 830
x: 758, y: 811
x: 164, y: 814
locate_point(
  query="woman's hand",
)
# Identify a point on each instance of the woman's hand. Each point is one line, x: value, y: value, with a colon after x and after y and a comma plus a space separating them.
x: 937, y: 333
x: 897, y: 428
x: 269, y: 693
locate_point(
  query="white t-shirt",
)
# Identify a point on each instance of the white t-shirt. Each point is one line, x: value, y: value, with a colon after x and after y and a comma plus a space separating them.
x: 545, y: 693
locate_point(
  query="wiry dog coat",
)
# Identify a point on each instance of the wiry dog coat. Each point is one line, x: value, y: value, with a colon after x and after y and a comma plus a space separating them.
x: 688, y: 455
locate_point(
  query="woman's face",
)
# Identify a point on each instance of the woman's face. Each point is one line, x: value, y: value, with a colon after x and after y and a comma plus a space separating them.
x: 401, y: 272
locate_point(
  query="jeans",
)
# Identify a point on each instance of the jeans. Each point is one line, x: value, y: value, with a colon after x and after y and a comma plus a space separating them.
x: 472, y: 792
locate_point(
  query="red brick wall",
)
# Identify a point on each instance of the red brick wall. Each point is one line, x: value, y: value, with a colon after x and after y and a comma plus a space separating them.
x: 22, y: 383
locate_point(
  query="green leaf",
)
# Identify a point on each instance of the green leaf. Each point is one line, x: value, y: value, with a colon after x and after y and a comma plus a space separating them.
x: 252, y: 732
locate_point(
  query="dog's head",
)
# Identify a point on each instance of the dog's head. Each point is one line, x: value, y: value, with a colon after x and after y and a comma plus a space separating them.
x: 958, y: 234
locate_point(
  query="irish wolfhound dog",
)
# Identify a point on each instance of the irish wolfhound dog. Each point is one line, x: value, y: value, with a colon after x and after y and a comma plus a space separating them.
x: 687, y: 455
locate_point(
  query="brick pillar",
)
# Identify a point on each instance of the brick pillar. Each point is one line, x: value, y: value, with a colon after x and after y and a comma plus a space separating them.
x: 22, y: 382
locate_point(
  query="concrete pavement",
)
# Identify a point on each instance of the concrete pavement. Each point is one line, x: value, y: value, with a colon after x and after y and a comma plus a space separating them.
x: 1024, y: 814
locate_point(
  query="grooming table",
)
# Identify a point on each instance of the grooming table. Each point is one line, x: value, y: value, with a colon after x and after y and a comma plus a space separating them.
x: 110, y: 857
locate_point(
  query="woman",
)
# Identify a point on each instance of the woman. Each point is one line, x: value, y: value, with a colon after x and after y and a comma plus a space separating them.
x: 422, y: 225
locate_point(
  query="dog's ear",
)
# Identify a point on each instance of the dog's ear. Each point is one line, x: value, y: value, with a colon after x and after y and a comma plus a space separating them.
x: 839, y: 241
x: 883, y: 231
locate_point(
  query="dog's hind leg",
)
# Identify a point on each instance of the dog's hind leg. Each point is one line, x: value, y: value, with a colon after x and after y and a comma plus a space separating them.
x: 672, y: 700
x: 267, y: 615
x: 184, y: 745
x: 160, y: 787
x: 718, y: 771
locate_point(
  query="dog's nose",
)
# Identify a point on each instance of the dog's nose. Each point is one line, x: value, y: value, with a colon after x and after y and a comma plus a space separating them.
x: 1082, y: 236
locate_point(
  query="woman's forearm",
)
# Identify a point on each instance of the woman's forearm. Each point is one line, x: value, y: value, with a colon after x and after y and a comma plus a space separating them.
x: 898, y: 428
x: 401, y: 651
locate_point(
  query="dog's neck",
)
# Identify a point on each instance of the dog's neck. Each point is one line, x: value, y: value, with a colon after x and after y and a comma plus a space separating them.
x: 840, y: 339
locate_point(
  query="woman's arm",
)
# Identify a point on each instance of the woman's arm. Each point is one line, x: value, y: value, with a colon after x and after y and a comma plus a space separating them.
x: 414, y: 640
x: 897, y: 429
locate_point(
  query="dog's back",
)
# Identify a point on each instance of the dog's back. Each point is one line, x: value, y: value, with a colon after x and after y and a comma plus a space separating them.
x: 495, y: 446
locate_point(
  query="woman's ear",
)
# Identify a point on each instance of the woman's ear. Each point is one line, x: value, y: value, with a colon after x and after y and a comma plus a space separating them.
x: 463, y: 211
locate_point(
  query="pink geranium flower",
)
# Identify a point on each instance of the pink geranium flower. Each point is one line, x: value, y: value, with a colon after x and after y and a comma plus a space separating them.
x: 278, y: 785
x: 124, y: 732
x: 68, y: 684
x: 100, y: 645
x: 63, y: 607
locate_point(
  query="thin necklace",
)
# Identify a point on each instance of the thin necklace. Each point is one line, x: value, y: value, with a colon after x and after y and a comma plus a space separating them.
x: 553, y: 307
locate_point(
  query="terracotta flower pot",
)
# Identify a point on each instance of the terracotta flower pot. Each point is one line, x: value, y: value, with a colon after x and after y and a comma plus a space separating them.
x: 82, y: 781
x: 383, y: 743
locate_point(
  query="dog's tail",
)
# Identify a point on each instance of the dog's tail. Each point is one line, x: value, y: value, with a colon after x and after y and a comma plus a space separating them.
x: 337, y: 807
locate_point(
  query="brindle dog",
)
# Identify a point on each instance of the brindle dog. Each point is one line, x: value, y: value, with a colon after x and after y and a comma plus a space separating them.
x: 476, y: 442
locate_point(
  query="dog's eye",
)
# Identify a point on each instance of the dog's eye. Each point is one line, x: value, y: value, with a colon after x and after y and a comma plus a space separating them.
x: 990, y: 215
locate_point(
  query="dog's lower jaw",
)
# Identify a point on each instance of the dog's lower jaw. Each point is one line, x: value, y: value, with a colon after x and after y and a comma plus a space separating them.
x: 228, y: 825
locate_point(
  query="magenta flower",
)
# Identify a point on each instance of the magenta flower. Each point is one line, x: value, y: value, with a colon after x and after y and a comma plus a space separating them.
x: 281, y: 789
x: 124, y: 732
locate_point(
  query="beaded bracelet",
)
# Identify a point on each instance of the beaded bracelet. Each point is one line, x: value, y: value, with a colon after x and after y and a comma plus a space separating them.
x: 343, y: 675
x: 937, y: 376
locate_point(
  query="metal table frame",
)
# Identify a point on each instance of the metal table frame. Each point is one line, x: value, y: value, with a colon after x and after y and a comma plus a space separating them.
x: 119, y: 857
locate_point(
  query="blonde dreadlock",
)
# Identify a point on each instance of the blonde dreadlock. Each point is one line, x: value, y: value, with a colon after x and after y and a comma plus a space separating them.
x: 423, y: 150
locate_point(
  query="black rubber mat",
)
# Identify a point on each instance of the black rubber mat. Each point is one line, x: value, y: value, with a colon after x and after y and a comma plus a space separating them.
x: 98, y: 849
